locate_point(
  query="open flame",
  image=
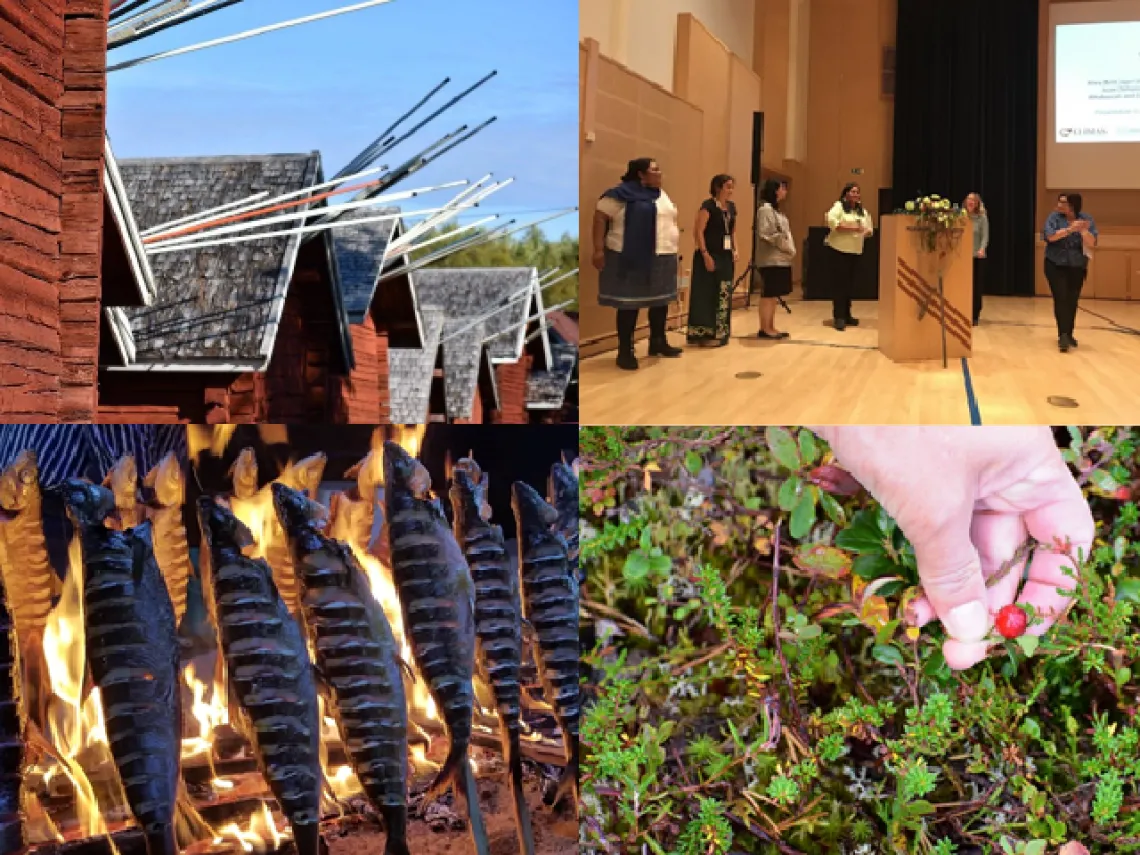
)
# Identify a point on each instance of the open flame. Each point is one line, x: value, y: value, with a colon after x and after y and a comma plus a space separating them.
x: 79, y: 762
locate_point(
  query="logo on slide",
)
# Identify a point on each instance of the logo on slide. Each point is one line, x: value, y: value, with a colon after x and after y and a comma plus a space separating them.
x: 1084, y: 132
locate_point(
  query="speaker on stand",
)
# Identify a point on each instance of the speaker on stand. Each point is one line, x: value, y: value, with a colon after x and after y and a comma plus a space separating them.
x: 757, y: 157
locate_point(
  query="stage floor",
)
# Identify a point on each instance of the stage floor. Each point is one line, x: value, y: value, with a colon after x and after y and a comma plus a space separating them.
x: 821, y: 376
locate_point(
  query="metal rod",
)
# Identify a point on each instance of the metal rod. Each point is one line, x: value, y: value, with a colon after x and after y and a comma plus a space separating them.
x: 354, y: 164
x: 286, y: 232
x: 513, y: 301
x: 539, y: 317
x: 182, y: 235
x: 190, y: 14
x: 419, y: 246
x: 200, y: 214
x: 205, y: 216
x: 443, y: 108
x: 418, y: 229
x: 444, y: 216
x: 131, y: 63
x: 125, y: 8
x: 145, y: 18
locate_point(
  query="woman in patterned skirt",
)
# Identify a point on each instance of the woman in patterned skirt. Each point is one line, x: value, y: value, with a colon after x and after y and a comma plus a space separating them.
x: 714, y: 266
x: 636, y: 241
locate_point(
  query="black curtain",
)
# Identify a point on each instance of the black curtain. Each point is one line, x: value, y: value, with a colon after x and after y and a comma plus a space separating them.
x: 966, y: 120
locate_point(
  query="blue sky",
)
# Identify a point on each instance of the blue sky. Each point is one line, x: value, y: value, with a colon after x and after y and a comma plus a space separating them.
x: 334, y: 85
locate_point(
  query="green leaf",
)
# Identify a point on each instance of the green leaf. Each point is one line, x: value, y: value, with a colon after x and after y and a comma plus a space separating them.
x: 660, y: 565
x: 863, y: 535
x: 636, y: 569
x: 1128, y: 590
x: 783, y: 448
x: 888, y: 654
x: 809, y: 449
x: 935, y: 666
x: 825, y: 560
x: 1028, y: 644
x: 833, y: 509
x: 1031, y: 728
x: 789, y: 493
x: 693, y: 462
x: 812, y: 630
x: 871, y: 567
x: 1103, y: 481
x: 803, y: 516
x: 885, y: 634
x: 1035, y: 847
x: 1123, y: 675
x: 920, y: 808
x: 646, y: 542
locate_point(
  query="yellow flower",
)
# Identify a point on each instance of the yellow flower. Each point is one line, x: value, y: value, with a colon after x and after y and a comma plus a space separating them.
x: 910, y: 206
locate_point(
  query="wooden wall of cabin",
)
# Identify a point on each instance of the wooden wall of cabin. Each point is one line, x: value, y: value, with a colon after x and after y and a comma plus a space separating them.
x: 126, y: 397
x: 52, y: 107
x: 363, y: 397
x: 511, y: 379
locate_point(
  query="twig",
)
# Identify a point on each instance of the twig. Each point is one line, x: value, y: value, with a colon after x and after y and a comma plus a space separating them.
x: 701, y: 660
x: 618, y: 617
x: 797, y: 720
x: 756, y: 830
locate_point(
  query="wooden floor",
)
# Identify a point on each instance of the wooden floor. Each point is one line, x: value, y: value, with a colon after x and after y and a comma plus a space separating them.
x: 822, y: 376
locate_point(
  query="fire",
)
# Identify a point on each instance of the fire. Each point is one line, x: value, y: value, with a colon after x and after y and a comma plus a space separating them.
x: 262, y: 834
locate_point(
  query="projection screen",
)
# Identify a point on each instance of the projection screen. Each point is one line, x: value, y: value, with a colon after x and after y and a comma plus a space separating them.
x: 1093, y: 103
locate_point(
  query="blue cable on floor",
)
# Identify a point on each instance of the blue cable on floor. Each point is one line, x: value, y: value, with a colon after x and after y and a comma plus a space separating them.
x: 971, y: 399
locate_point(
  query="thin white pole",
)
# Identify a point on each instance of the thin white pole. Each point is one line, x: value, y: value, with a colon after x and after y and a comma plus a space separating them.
x: 284, y: 218
x: 418, y: 229
x: 156, y: 250
x: 209, y: 212
x: 206, y: 216
x: 147, y: 17
x: 131, y: 63
x: 417, y: 247
x: 444, y: 216
x: 427, y: 225
x: 540, y: 316
x: 515, y: 299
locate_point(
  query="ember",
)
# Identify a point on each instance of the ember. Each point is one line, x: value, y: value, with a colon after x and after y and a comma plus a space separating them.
x: 292, y: 685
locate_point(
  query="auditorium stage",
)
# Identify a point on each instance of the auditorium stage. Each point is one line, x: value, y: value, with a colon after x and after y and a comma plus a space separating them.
x: 821, y: 376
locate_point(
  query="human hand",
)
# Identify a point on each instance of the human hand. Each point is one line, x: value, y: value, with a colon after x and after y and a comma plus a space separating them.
x: 1080, y: 226
x: 968, y: 498
x: 735, y: 255
x: 981, y: 253
x: 599, y: 259
x: 710, y: 264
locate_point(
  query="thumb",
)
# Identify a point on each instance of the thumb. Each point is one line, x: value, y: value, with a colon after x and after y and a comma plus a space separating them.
x: 951, y: 572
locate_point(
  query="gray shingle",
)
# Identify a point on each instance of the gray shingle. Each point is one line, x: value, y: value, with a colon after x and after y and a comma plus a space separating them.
x: 470, y: 293
x: 221, y: 303
x: 546, y: 390
x: 410, y: 373
x: 360, y: 254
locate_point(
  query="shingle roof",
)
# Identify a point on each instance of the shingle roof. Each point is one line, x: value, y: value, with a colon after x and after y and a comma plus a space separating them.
x: 546, y: 390
x: 124, y: 218
x: 410, y: 373
x: 219, y: 305
x: 360, y: 256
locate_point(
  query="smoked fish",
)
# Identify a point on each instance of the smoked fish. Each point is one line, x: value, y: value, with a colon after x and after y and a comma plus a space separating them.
x: 132, y: 655
x: 563, y: 496
x: 243, y: 474
x: 267, y: 670
x: 305, y: 475
x: 498, y: 619
x: 31, y: 582
x: 437, y: 598
x: 168, y: 483
x: 123, y: 482
x: 357, y: 658
x: 551, y: 606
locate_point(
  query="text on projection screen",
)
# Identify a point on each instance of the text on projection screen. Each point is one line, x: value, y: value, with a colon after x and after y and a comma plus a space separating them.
x: 1098, y: 82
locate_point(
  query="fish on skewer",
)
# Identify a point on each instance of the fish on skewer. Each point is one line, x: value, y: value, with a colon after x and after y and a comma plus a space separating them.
x: 551, y: 606
x: 12, y: 726
x: 264, y: 664
x: 132, y: 656
x: 29, y: 579
x: 562, y: 494
x: 357, y: 658
x: 305, y: 475
x: 243, y: 474
x: 498, y: 620
x: 437, y: 598
x: 352, y: 513
x: 168, y: 483
x: 123, y: 481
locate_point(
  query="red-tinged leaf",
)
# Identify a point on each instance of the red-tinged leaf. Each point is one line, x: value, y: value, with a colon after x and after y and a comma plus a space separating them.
x: 838, y: 482
x: 834, y: 610
x: 822, y: 560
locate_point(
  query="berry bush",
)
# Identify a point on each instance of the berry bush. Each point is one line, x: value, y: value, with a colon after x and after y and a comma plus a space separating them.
x: 752, y: 688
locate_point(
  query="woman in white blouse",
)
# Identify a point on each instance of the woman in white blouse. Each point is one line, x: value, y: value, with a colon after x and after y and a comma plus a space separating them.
x: 636, y: 241
x: 850, y: 226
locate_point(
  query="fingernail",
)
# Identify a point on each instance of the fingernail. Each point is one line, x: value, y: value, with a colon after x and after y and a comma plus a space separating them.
x: 968, y: 622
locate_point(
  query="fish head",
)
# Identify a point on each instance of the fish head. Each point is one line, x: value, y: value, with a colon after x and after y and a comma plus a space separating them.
x: 19, y: 483
x: 469, y: 489
x: 403, y: 473
x: 220, y: 527
x: 370, y: 473
x: 244, y: 474
x: 167, y: 481
x: 295, y: 510
x: 563, y: 484
x: 305, y: 475
x: 89, y: 504
x: 533, y: 512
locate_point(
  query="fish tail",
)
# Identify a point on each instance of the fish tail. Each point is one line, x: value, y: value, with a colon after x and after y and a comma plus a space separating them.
x: 568, y: 783
x: 396, y: 823
x: 162, y: 840
x: 307, y: 838
x: 189, y: 826
x: 522, y: 810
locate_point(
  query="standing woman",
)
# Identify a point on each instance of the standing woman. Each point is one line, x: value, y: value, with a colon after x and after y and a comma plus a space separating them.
x: 850, y: 226
x: 714, y: 266
x: 976, y: 210
x: 775, y: 250
x: 1070, y: 235
x: 636, y: 240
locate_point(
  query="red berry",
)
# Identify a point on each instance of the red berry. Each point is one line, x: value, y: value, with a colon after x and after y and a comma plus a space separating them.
x: 1011, y: 621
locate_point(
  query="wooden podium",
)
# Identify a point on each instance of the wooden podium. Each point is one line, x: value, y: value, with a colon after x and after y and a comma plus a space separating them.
x: 908, y: 280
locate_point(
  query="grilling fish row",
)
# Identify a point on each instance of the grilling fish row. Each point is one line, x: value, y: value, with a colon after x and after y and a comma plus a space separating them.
x: 461, y: 603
